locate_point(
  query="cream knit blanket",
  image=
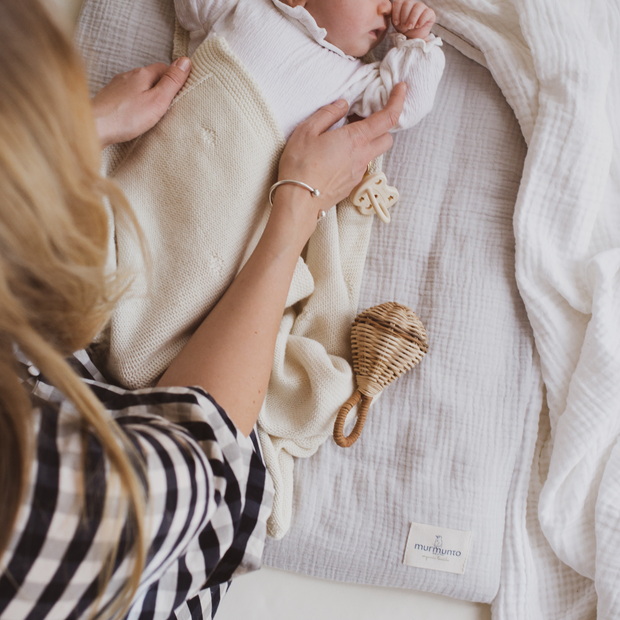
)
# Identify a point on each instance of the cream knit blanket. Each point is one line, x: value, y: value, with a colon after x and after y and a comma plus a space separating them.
x: 198, y: 183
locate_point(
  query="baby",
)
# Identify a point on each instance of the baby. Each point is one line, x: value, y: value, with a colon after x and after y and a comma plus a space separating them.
x: 305, y: 54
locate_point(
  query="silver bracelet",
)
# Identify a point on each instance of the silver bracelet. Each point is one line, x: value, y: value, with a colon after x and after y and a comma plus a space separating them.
x: 314, y: 192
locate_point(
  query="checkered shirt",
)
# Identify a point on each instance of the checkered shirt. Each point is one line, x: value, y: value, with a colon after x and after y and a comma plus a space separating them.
x: 209, y: 496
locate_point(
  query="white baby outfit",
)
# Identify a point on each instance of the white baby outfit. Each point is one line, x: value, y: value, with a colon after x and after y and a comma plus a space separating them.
x: 278, y: 45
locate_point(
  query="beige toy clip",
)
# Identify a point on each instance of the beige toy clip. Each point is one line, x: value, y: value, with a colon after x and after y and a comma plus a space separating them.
x: 373, y: 194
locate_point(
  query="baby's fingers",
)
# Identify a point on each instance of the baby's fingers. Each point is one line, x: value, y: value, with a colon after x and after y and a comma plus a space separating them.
x: 397, y: 6
x: 413, y: 18
x: 426, y: 19
x: 401, y: 12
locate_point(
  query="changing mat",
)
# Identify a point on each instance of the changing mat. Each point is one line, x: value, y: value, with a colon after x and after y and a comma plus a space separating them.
x: 441, y: 445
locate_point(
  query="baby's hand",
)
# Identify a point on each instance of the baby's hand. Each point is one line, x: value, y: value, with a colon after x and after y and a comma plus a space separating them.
x: 413, y: 19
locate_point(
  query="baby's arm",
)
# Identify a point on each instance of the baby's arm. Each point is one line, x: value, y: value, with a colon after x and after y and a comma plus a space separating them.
x: 200, y: 15
x: 416, y: 62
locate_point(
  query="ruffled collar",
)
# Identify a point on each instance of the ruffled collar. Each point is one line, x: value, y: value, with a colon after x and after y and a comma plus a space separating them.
x: 304, y: 21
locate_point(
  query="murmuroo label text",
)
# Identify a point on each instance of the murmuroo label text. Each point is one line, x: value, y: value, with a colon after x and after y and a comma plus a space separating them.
x: 437, y: 548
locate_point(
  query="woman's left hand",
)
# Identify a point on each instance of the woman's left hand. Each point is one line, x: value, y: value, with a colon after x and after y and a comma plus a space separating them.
x: 134, y: 101
x: 334, y: 162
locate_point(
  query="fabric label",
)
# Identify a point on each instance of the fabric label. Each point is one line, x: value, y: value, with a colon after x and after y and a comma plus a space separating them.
x: 437, y: 548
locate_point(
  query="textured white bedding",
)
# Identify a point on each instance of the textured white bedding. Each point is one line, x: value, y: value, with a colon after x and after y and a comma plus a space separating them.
x: 558, y: 64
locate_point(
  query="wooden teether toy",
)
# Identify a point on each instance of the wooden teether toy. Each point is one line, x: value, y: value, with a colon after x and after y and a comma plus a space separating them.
x: 373, y: 193
x: 386, y: 341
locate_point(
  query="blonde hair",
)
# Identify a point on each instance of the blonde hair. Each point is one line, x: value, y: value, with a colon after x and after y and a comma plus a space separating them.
x: 54, y: 291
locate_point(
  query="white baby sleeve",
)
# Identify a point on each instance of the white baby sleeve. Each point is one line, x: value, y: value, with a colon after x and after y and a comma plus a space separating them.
x: 417, y: 62
x: 200, y: 15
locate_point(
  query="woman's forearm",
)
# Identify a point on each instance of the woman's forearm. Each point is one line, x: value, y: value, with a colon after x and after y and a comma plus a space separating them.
x: 231, y: 353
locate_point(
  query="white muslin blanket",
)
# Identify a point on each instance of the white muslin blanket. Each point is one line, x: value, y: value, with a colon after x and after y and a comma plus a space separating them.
x: 558, y: 65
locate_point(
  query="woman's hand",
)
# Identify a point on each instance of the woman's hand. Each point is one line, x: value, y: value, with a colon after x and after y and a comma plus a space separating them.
x: 335, y: 161
x: 133, y: 102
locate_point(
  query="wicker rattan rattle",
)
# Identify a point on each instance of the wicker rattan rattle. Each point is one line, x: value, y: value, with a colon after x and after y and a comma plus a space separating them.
x: 386, y: 341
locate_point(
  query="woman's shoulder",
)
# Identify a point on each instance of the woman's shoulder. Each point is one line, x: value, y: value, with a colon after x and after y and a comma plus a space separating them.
x: 159, y: 421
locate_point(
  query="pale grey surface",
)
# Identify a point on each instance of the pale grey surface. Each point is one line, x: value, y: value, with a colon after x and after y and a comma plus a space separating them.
x: 117, y: 36
x: 441, y: 445
x: 272, y: 594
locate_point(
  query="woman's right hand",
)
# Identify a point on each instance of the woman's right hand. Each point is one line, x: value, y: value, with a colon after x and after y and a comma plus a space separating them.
x: 335, y: 161
x: 134, y: 101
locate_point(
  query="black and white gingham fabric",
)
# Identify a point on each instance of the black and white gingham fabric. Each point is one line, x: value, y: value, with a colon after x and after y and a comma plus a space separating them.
x: 209, y: 496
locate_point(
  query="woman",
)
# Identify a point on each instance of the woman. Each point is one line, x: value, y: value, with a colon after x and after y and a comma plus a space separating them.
x: 107, y: 508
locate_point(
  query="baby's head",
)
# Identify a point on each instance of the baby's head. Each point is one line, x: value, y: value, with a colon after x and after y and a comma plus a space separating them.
x: 354, y: 26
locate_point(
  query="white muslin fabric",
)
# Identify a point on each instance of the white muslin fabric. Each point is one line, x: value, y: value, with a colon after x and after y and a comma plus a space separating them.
x: 558, y: 65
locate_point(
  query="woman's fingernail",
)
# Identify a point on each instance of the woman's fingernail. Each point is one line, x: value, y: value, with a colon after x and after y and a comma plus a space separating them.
x: 182, y: 63
x: 341, y: 103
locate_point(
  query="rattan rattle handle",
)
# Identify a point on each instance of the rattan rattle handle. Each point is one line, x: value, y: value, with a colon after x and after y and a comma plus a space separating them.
x: 339, y: 438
